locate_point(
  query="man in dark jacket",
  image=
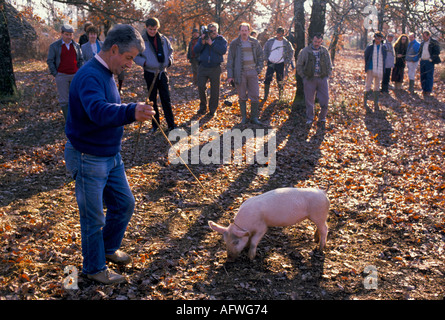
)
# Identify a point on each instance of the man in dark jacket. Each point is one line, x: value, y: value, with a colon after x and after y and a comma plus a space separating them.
x: 210, y: 47
x: 192, y: 56
x: 429, y: 56
x: 314, y: 66
x: 375, y: 57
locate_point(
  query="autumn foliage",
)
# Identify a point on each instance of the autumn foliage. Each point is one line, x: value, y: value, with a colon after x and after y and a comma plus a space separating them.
x: 385, y: 173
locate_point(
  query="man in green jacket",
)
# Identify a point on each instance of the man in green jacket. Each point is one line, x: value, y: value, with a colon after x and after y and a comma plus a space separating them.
x: 315, y: 67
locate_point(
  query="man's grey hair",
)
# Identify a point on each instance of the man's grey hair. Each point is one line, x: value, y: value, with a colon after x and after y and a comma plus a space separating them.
x: 125, y: 37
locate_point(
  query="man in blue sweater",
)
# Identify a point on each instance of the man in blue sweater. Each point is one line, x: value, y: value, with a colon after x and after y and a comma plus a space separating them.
x: 94, y: 128
x: 211, y: 48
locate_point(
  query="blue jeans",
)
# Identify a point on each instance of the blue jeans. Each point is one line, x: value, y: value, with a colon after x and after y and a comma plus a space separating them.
x: 426, y: 75
x: 100, y: 180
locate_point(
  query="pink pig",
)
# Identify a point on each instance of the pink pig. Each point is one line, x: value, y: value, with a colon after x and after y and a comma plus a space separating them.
x: 276, y: 208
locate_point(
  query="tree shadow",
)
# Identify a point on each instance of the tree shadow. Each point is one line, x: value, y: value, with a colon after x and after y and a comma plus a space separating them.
x: 379, y: 127
x: 297, y: 140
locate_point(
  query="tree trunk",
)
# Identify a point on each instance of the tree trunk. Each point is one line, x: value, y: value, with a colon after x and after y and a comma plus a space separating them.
x: 318, y: 18
x: 333, y: 46
x: 8, y: 87
x: 299, y: 43
x: 381, y: 14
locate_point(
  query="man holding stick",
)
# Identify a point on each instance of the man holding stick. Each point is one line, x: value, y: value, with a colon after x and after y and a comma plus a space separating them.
x: 94, y: 128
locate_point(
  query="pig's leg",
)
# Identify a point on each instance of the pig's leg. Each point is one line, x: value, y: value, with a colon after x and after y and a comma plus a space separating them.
x: 254, y: 240
x: 317, y: 236
x: 321, y: 235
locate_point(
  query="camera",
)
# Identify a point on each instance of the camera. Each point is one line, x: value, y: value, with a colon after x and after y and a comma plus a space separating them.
x: 205, y: 32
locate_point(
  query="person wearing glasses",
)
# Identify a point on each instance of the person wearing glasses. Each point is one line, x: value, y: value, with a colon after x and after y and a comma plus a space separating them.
x: 210, y: 48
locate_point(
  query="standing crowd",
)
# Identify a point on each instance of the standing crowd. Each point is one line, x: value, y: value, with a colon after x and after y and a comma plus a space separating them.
x: 95, y: 115
x: 385, y: 61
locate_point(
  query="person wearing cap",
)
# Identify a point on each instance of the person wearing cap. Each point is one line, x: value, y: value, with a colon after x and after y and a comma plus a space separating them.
x: 389, y: 63
x: 375, y: 58
x: 412, y: 60
x: 211, y: 49
x: 64, y: 59
x: 192, y: 56
x: 278, y: 53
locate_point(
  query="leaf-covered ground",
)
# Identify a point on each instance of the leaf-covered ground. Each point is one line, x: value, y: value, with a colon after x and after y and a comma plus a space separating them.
x: 385, y: 172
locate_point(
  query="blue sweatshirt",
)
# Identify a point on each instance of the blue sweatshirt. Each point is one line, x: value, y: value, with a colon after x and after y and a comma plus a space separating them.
x: 96, y: 117
x: 211, y: 56
x: 412, y: 53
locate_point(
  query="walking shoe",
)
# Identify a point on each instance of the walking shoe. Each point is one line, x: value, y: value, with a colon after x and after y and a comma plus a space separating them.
x: 107, y: 277
x: 119, y: 257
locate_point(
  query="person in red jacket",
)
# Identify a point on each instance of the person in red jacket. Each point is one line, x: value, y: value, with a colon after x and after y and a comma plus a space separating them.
x: 64, y: 59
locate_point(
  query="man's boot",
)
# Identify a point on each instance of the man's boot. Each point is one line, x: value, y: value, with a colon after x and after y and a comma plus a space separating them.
x: 376, y: 101
x: 254, y: 113
x: 242, y: 105
x: 266, y: 91
x: 411, y: 86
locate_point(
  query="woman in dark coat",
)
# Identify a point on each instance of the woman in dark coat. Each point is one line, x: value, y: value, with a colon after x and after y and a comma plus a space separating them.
x: 398, y: 71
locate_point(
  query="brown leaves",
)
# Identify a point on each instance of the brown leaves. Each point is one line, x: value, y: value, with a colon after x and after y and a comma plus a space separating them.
x: 386, y: 186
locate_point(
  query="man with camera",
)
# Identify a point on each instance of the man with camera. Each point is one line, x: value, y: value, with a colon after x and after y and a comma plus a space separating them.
x: 211, y: 48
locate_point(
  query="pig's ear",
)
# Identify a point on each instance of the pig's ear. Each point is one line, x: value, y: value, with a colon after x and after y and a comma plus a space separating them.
x: 240, y: 232
x: 216, y: 227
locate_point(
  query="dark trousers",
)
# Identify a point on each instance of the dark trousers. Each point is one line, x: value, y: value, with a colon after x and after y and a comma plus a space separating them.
x: 426, y: 75
x: 278, y: 68
x: 212, y: 74
x: 385, y: 81
x: 161, y: 86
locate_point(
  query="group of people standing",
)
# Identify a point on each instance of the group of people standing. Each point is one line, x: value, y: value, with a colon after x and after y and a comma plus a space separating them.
x: 96, y: 116
x: 245, y: 61
x: 66, y: 57
x: 385, y: 61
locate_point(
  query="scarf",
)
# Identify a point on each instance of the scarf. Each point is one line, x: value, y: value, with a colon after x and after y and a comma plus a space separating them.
x: 377, y: 61
x: 157, y: 45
